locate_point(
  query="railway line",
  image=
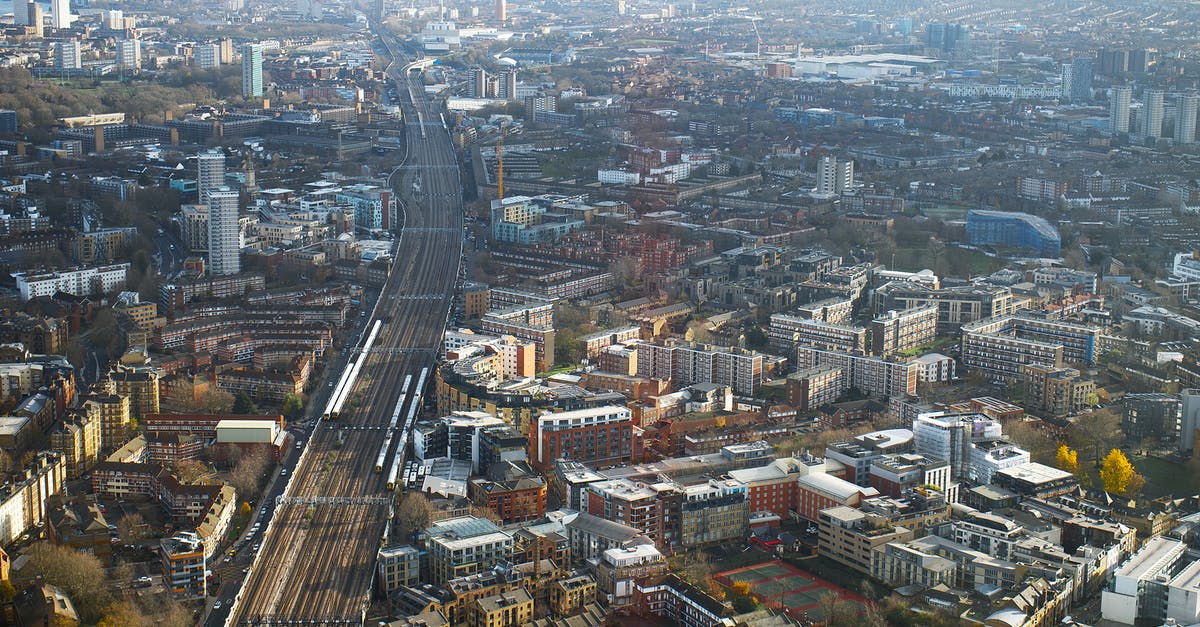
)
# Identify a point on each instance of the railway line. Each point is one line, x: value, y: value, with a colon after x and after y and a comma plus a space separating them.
x: 316, y: 563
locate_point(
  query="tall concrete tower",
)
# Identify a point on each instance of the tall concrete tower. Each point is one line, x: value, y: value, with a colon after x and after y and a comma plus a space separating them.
x: 210, y: 173
x: 224, y: 233
x: 1185, y: 118
x: 1118, y: 109
x: 1152, y: 113
x: 252, y: 71
x: 501, y: 11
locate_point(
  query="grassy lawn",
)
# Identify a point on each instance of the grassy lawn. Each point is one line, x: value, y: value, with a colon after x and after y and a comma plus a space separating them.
x: 1164, y: 477
x: 953, y: 261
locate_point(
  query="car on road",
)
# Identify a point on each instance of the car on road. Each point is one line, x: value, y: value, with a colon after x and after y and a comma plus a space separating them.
x: 216, y: 606
x: 283, y: 473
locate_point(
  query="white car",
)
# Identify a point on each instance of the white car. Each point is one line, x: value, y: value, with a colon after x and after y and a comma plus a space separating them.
x: 216, y: 606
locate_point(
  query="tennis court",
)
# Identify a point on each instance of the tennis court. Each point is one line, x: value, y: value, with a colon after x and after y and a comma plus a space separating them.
x: 783, y: 586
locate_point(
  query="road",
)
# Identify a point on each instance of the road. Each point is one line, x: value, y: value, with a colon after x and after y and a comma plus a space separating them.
x: 318, y: 555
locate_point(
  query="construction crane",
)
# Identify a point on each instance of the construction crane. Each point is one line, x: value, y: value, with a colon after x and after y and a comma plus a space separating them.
x: 500, y: 163
x: 758, y: 50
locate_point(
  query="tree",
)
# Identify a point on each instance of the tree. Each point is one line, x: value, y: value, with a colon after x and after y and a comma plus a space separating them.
x: 413, y: 514
x: 1031, y: 437
x: 1067, y: 459
x: 122, y: 614
x: 243, y: 404
x: 191, y: 471
x: 293, y: 406
x: 248, y: 475
x: 78, y: 574
x: 1098, y: 430
x: 131, y: 527
x: 1116, y: 472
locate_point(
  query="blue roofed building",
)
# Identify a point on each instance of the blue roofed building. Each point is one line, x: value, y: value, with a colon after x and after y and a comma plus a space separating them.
x: 1013, y: 230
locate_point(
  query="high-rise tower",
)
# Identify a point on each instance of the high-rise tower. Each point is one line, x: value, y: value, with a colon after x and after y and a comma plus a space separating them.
x: 1118, y: 109
x: 224, y: 236
x: 1185, y: 118
x: 252, y: 71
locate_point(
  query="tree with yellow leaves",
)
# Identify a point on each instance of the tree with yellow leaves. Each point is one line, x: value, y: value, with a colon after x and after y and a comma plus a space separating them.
x: 1067, y: 459
x: 1118, y: 473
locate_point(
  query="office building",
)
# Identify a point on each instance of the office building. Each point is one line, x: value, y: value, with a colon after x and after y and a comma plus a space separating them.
x: 858, y: 453
x: 36, y: 17
x: 1119, y: 99
x: 1077, y: 80
x: 129, y: 53
x: 68, y: 55
x: 207, y: 56
x: 834, y: 176
x: 463, y: 546
x: 21, y: 12
x: 1031, y: 234
x: 1185, y: 118
x: 252, y: 71
x: 60, y: 14
x: 1152, y: 113
x: 943, y: 37
x: 224, y: 232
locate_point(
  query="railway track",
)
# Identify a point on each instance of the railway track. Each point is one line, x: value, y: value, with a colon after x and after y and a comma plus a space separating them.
x: 316, y: 563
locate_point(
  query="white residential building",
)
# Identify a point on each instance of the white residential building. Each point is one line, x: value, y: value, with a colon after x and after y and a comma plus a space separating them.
x: 224, y: 232
x: 82, y: 282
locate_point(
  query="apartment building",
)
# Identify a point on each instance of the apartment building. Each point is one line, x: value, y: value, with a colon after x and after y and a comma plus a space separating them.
x: 787, y: 332
x: 949, y: 437
x: 620, y: 569
x: 812, y: 388
x: 140, y: 386
x: 856, y: 455
x: 510, y: 609
x: 634, y: 505
x: 530, y: 323
x: 896, y: 475
x: 182, y: 558
x: 23, y: 501
x: 956, y: 305
x: 1001, y: 347
x: 687, y: 364
x: 993, y: 535
x: 78, y: 439
x: 874, y: 376
x: 464, y: 546
x: 849, y: 536
x: 1140, y: 587
x: 397, y: 566
x: 1057, y: 392
x: 900, y: 331
x: 713, y: 512
x: 831, y: 310
x: 116, y: 420
x: 598, y: 436
x: 81, y: 282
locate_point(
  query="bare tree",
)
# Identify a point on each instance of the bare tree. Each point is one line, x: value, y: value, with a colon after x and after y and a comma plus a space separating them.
x: 78, y: 574
x: 132, y: 527
x: 192, y: 471
x: 248, y: 475
x: 413, y: 514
